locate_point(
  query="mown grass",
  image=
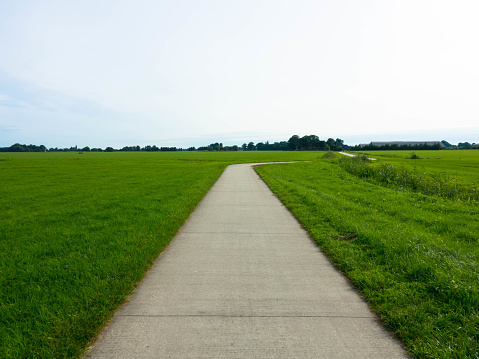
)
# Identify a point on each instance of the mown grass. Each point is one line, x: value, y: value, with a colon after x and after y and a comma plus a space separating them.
x: 414, y: 257
x: 78, y: 231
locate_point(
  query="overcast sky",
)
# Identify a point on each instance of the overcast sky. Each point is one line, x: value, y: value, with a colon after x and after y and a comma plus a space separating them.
x: 191, y: 72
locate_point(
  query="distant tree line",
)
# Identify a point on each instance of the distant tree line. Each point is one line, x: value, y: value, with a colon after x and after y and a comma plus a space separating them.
x: 295, y: 143
x: 265, y: 146
x: 148, y: 148
x: 463, y: 145
x: 217, y: 147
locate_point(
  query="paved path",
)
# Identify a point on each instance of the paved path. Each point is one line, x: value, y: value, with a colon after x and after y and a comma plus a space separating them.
x: 242, y: 280
x: 351, y: 155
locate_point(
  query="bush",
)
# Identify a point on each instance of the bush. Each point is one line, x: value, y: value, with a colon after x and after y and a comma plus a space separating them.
x: 330, y: 154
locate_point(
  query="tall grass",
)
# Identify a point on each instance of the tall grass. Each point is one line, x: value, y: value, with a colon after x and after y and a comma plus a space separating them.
x: 398, y: 176
x: 459, y: 166
x: 414, y: 257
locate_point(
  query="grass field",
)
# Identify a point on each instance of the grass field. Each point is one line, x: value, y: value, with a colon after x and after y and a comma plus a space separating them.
x: 414, y: 257
x: 78, y: 231
x: 455, y: 166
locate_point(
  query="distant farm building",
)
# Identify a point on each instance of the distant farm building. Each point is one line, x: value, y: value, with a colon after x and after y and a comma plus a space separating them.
x: 403, y: 143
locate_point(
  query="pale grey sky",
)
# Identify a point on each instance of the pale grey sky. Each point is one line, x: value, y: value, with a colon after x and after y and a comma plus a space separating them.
x: 183, y: 72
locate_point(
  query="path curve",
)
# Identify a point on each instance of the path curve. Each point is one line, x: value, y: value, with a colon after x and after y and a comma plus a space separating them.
x: 242, y: 279
x: 351, y: 155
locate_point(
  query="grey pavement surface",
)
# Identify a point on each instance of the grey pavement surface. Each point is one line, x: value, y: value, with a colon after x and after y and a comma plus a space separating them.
x: 351, y: 155
x: 242, y: 279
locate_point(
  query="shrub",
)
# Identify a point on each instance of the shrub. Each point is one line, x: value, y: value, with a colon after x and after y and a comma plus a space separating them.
x: 330, y: 154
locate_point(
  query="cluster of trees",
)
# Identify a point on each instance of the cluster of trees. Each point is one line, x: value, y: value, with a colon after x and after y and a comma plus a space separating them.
x: 460, y: 145
x: 217, y: 147
x: 465, y: 146
x: 266, y: 146
x: 295, y: 143
x: 74, y: 148
x: 23, y: 148
x: 313, y: 143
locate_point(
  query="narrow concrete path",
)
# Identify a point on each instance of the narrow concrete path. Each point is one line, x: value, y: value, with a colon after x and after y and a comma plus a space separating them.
x: 351, y: 155
x: 242, y: 279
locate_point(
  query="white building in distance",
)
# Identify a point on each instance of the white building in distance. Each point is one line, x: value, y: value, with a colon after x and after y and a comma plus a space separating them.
x: 403, y: 143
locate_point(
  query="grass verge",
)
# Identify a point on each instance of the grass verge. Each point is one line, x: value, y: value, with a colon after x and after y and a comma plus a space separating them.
x: 414, y: 257
x: 409, y: 179
x: 78, y: 231
x: 454, y: 166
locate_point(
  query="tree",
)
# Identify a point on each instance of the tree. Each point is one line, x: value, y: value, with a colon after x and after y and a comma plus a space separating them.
x: 314, y: 142
x: 333, y: 146
x: 339, y: 143
x: 464, y: 145
x: 17, y: 148
x: 305, y: 143
x: 294, y: 143
x: 331, y: 143
x: 323, y: 146
x: 260, y: 146
x: 281, y: 146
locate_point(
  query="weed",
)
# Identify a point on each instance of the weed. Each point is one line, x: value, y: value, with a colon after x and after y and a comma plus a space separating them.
x: 414, y: 156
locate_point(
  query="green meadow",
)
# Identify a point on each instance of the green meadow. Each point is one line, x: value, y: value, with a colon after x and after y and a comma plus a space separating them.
x: 78, y: 231
x: 414, y: 256
x: 454, y: 166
